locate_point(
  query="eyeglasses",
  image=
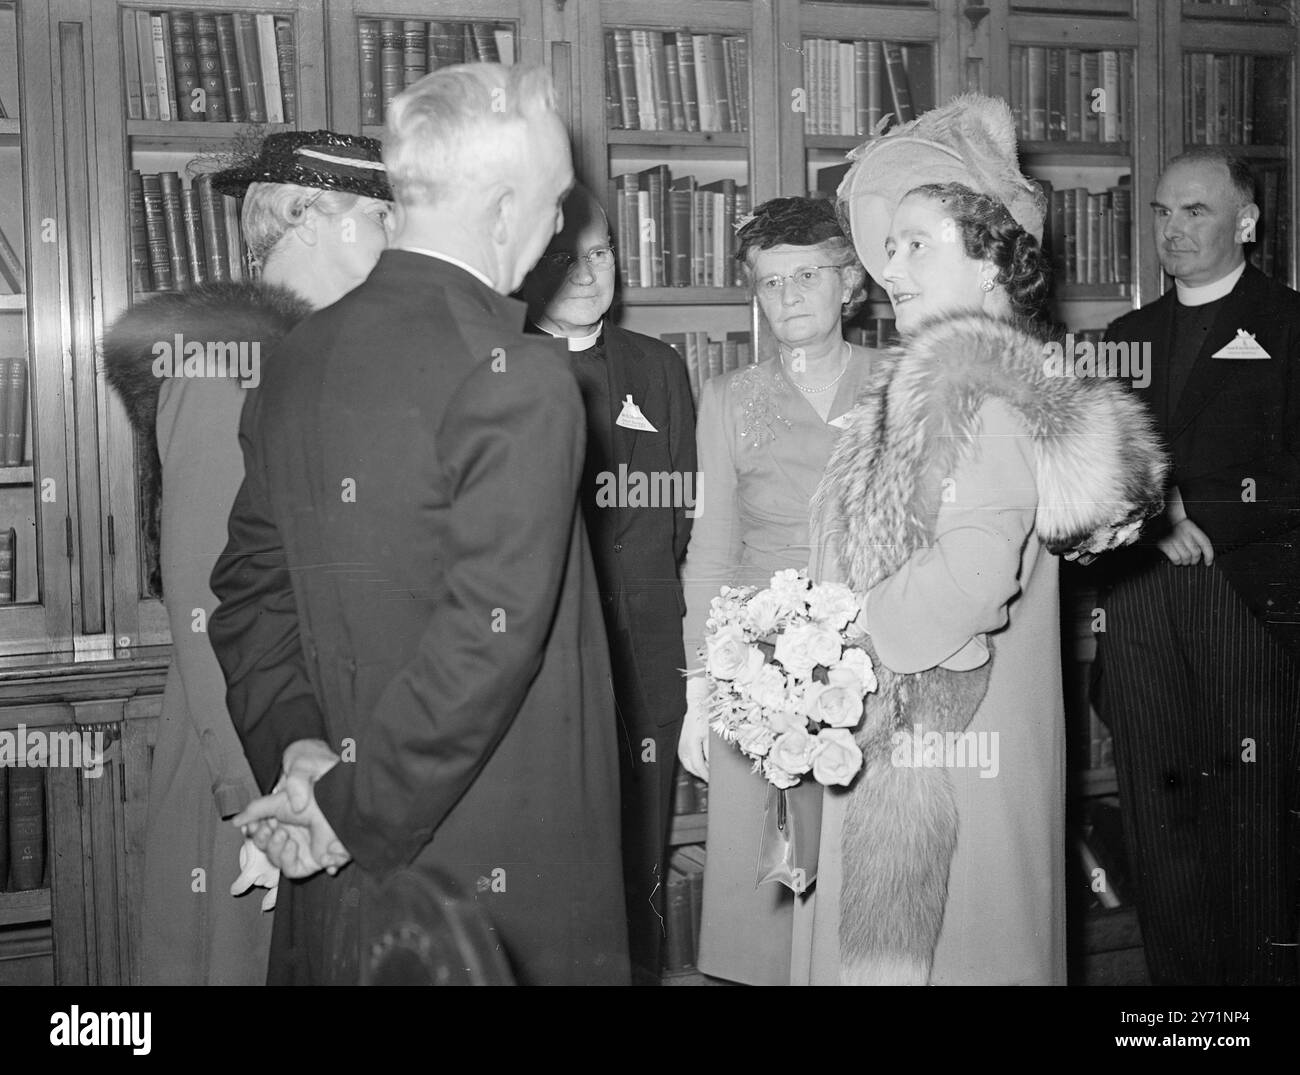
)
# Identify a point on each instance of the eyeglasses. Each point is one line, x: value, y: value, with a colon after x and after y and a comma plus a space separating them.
x: 601, y: 260
x: 805, y: 278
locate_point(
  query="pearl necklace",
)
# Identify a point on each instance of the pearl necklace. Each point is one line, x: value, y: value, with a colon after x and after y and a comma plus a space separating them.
x: 848, y: 353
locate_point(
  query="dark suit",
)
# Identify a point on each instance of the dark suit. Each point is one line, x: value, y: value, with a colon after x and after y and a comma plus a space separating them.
x: 637, y: 551
x: 1201, y: 684
x: 407, y: 578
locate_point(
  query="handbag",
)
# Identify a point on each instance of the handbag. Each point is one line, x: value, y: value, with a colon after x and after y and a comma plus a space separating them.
x: 791, y: 838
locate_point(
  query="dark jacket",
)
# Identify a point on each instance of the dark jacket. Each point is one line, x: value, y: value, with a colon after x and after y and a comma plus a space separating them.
x: 1234, y: 434
x: 407, y: 578
x: 638, y: 548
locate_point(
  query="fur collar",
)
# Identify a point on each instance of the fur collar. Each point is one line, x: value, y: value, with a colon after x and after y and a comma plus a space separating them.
x: 1100, y: 467
x: 220, y: 311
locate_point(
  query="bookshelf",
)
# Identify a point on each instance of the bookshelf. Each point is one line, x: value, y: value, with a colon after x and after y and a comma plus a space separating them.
x: 84, y: 638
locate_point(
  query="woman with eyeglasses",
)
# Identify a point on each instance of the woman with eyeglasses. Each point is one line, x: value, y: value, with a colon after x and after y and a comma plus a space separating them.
x: 315, y: 218
x: 764, y: 436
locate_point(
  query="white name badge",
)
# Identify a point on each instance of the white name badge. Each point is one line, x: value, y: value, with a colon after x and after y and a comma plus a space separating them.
x: 843, y: 421
x: 630, y: 417
x: 1243, y: 345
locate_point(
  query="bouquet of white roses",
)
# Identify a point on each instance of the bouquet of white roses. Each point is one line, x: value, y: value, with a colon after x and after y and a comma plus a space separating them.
x: 786, y: 684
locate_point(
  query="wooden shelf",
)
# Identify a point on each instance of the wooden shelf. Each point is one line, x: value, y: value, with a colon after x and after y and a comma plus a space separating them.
x: 13, y: 302
x: 1256, y: 13
x: 685, y: 296
x: 1100, y: 292
x: 10, y: 131
x: 16, y: 475
x: 183, y: 134
x: 688, y: 829
x: 20, y: 908
x: 659, y: 139
x: 1088, y: 154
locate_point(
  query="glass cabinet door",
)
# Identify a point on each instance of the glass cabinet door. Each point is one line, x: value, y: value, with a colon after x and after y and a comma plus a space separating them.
x: 35, y: 501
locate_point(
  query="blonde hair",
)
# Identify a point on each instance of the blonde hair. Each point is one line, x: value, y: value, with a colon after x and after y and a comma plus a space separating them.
x: 271, y: 209
x: 453, y: 129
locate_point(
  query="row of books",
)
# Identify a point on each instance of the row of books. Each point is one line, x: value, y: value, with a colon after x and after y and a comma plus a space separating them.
x: 850, y: 86
x: 684, y: 905
x: 1089, y: 234
x: 705, y: 357
x: 22, y: 828
x: 1071, y: 95
x: 397, y: 52
x: 677, y: 232
x: 8, y: 580
x: 1235, y: 99
x: 213, y: 66
x: 676, y: 81
x: 181, y: 236
x: 690, y: 794
x: 13, y: 411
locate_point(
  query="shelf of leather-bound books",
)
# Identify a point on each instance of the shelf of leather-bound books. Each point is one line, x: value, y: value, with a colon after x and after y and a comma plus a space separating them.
x: 1262, y: 11
x: 375, y: 55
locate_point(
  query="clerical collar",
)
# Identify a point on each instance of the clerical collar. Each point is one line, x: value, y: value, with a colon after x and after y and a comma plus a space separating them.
x: 450, y: 261
x: 577, y: 343
x: 1207, y: 293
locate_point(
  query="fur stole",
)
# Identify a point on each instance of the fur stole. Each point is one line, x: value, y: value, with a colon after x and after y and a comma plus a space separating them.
x: 246, y: 312
x: 1100, y: 473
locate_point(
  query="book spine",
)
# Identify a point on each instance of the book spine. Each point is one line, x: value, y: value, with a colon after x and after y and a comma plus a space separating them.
x: 704, y: 83
x: 198, y: 259
x: 286, y: 58
x: 899, y: 89
x: 1037, y: 92
x: 230, y: 76
x: 415, y: 54
x: 214, y: 230
x: 875, y: 75
x: 1056, y: 95
x: 1121, y: 199
x: 162, y: 50
x: 235, y: 250
x: 645, y: 237
x: 690, y: 93
x: 368, y: 48
x: 732, y: 82
x: 485, y: 43
x: 741, y: 103
x: 185, y: 63
x: 647, y: 117
x: 148, y: 68
x: 629, y: 106
x: 1057, y: 231
x: 677, y: 114
x: 26, y: 828
x: 269, y: 62
x: 160, y: 266
x: 505, y: 40
x: 134, y: 103
x: 679, y: 214
x: 141, y: 279
x: 659, y: 81
x: 918, y: 60
x: 1070, y: 248
x: 391, y: 78
x: 1090, y: 78
x: 742, y: 211
x: 174, y: 223
x: 1073, y: 95
x: 250, y: 71
x: 213, y: 101
x: 1110, y: 98
x: 721, y: 94
x: 679, y: 953
x: 15, y: 407
x: 446, y: 44
x: 613, y: 104
x: 1081, y: 238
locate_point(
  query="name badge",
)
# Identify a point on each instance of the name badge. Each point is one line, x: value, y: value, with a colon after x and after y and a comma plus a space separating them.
x: 843, y: 421
x: 630, y: 417
x: 1243, y: 345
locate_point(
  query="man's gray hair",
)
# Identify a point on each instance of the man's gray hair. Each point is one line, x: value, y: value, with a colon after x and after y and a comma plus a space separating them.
x: 1240, y: 177
x: 455, y: 128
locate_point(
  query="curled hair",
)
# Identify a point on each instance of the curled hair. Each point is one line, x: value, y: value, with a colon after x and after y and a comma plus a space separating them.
x: 451, y: 130
x: 990, y: 233
x: 271, y: 209
x: 803, y: 222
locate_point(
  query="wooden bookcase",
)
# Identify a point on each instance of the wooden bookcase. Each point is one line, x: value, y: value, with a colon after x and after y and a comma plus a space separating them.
x: 78, y: 643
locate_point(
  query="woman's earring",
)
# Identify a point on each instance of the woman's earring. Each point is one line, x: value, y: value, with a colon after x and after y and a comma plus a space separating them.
x: 987, y: 285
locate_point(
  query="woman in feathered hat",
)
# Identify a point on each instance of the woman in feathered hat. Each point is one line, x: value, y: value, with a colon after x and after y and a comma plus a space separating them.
x: 967, y: 466
x: 314, y: 217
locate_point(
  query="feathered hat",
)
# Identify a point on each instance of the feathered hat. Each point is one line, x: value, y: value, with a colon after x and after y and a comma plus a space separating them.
x: 971, y: 140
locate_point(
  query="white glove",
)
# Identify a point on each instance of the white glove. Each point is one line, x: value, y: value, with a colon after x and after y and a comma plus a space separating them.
x: 693, y: 744
x: 256, y: 869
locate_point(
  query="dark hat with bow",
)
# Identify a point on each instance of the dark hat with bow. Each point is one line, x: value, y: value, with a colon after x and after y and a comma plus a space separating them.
x: 321, y: 159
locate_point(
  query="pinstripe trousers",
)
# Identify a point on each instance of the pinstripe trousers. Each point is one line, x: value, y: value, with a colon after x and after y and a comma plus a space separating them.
x: 1204, y: 706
